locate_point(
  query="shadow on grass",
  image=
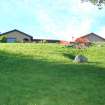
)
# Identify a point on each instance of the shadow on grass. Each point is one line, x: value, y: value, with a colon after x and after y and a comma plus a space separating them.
x: 70, y: 56
x: 24, y: 80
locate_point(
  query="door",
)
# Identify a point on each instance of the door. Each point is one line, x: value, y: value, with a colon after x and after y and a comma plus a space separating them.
x: 11, y: 40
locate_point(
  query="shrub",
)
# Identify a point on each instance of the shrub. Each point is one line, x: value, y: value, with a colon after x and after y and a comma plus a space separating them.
x: 3, y: 39
x: 65, y: 43
x: 82, y: 43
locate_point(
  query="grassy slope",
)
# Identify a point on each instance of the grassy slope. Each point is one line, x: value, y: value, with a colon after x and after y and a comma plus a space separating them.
x: 46, y: 75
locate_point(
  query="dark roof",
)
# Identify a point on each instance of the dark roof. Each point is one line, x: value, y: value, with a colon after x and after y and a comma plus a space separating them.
x: 15, y: 30
x: 92, y: 34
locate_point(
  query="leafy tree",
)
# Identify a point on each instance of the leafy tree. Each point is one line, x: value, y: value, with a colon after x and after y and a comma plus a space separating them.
x: 99, y: 3
x: 82, y: 40
x: 3, y: 39
x: 95, y: 1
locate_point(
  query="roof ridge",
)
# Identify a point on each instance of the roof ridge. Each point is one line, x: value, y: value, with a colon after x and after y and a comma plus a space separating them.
x: 17, y: 31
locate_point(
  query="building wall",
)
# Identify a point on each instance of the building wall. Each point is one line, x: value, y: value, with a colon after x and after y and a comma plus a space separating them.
x: 19, y: 36
x: 93, y: 38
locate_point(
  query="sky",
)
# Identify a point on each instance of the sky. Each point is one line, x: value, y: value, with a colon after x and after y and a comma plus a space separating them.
x: 52, y: 19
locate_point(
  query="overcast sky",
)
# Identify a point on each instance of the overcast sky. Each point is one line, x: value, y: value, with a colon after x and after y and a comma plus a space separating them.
x: 52, y: 19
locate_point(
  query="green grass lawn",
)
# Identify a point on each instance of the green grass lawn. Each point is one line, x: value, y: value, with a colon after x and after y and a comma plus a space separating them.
x: 45, y: 74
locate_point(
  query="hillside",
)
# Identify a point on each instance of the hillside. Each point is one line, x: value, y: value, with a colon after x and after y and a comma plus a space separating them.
x: 45, y: 74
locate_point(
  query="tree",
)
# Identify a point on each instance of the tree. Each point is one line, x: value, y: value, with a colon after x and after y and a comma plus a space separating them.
x: 82, y: 42
x: 95, y: 1
x: 3, y: 38
x: 99, y: 3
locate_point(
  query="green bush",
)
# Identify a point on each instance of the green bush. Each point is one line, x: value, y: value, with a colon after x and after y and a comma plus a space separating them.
x: 3, y: 39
